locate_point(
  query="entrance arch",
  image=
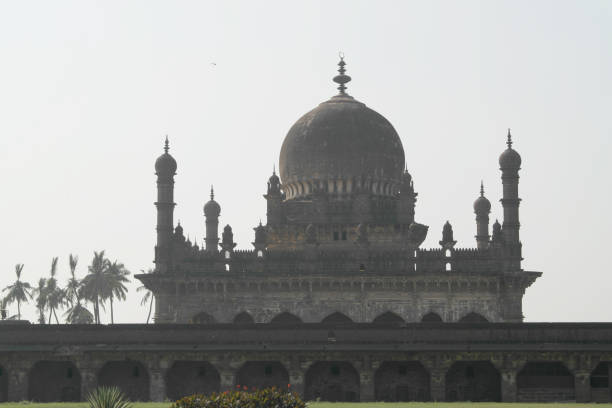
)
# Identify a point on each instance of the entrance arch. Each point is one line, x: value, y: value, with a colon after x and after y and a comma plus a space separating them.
x: 262, y: 374
x: 285, y: 317
x: 336, y: 318
x: 473, y: 317
x: 431, y: 318
x: 54, y: 381
x: 243, y: 318
x: 191, y: 377
x: 131, y: 377
x: 398, y: 381
x: 473, y: 381
x: 332, y: 381
x: 203, y: 318
x: 388, y: 318
x: 3, y: 385
x: 545, y: 381
x: 601, y: 382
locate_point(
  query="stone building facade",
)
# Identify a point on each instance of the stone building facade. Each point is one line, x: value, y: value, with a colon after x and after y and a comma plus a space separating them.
x: 336, y: 299
x: 341, y: 240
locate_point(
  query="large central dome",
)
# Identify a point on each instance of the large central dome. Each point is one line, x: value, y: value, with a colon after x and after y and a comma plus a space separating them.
x: 341, y: 146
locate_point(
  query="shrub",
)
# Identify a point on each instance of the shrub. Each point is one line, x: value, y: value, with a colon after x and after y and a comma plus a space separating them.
x: 108, y: 397
x: 241, y: 398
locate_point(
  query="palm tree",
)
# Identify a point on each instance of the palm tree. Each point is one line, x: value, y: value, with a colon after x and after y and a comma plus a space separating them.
x: 55, y: 294
x: 19, y: 291
x: 147, y: 298
x: 41, y: 299
x: 117, y: 276
x: 77, y: 313
x: 96, y: 287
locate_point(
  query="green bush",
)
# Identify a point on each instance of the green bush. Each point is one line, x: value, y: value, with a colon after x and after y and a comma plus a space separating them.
x: 242, y: 398
x: 108, y: 397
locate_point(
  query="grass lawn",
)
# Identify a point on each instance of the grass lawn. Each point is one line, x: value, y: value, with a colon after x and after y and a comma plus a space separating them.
x: 335, y: 405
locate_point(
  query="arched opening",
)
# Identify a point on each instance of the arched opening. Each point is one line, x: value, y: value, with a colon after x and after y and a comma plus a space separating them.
x: 601, y: 382
x: 203, y: 318
x: 448, y: 266
x: 243, y: 318
x: 336, y: 318
x: 285, y: 317
x: 262, y: 374
x: 447, y: 253
x: 332, y: 381
x: 52, y: 381
x: 473, y: 317
x: 545, y: 381
x: 401, y: 381
x: 388, y: 318
x: 431, y: 317
x: 473, y: 381
x: 131, y: 377
x: 191, y: 377
x: 260, y: 254
x: 3, y: 385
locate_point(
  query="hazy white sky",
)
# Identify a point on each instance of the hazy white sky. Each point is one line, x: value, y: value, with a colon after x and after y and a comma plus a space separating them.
x: 88, y: 89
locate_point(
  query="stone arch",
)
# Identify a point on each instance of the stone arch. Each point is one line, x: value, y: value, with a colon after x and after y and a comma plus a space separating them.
x: 285, y: 317
x: 191, y: 377
x: 262, y: 374
x: 473, y: 317
x: 336, y: 318
x: 545, y: 381
x: 243, y: 318
x: 3, y: 385
x: 332, y: 381
x: 601, y: 382
x: 203, y: 318
x: 388, y: 318
x: 401, y: 381
x: 53, y: 381
x: 431, y: 317
x: 129, y: 376
x: 473, y: 381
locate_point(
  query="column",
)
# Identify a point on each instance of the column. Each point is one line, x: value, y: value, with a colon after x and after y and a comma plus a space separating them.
x: 437, y: 384
x: 17, y: 383
x: 582, y: 385
x: 508, y: 384
x: 366, y: 384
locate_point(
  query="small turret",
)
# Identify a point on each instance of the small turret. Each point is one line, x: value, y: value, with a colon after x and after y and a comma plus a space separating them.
x: 212, y: 210
x: 447, y: 236
x: 227, y: 240
x: 482, y: 208
x: 261, y: 239
x: 274, y: 197
x: 497, y: 237
x: 407, y: 199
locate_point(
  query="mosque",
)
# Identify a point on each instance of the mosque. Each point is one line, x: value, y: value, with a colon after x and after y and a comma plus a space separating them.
x: 341, y: 243
x: 337, y: 299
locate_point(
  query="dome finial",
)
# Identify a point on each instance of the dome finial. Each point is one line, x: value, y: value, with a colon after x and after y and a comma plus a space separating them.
x: 274, y: 169
x: 481, y: 188
x: 166, y: 145
x: 509, y: 142
x: 342, y: 79
x: 212, y: 192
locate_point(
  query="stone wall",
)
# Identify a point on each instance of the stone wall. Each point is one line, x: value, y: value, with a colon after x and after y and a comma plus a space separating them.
x: 432, y: 361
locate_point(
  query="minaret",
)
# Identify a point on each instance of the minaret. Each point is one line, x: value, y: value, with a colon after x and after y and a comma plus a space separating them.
x: 482, y: 209
x: 165, y: 169
x: 448, y: 241
x: 510, y: 164
x: 274, y: 199
x: 212, y: 209
x: 407, y: 199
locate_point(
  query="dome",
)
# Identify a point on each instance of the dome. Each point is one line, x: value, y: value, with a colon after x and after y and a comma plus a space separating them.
x: 165, y: 164
x: 212, y: 208
x: 510, y: 159
x: 482, y: 204
x: 341, y: 141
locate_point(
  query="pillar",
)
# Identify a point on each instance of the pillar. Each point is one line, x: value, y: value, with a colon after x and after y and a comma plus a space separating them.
x: 17, y: 382
x: 157, y: 384
x: 366, y: 384
x: 437, y: 384
x: 582, y: 385
x: 508, y: 385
